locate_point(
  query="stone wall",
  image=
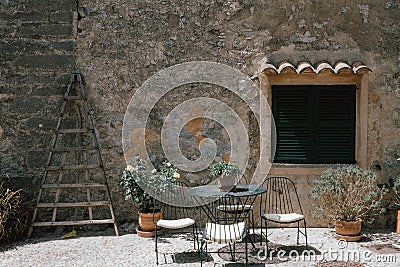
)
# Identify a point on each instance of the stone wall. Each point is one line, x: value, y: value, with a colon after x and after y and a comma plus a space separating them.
x: 118, y: 44
x: 38, y: 45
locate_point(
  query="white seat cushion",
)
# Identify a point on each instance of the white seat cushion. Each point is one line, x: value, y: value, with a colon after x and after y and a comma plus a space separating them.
x: 234, y: 207
x: 175, y: 224
x: 284, y: 218
x: 224, y: 233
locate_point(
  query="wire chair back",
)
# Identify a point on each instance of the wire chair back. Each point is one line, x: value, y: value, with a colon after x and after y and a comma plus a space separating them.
x: 228, y: 223
x: 184, y: 208
x: 281, y: 197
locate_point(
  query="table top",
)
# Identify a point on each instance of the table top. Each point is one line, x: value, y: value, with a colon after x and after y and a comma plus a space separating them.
x: 242, y: 190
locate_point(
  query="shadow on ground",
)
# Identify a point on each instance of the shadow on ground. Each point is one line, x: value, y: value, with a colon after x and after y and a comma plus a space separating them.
x: 191, y: 257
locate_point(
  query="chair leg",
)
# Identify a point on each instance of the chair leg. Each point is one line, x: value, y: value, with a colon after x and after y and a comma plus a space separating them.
x: 266, y: 237
x: 253, y: 224
x: 261, y: 230
x: 246, y: 252
x: 156, y: 249
x: 305, y: 232
x: 194, y: 235
x: 298, y: 232
x: 201, y: 253
x: 232, y: 251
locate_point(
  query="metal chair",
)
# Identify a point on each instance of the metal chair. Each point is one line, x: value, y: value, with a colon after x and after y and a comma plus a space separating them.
x: 226, y: 227
x: 243, y: 206
x: 281, y: 205
x: 176, y: 217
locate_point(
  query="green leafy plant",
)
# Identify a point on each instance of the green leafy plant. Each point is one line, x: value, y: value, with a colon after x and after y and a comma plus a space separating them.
x: 135, y: 178
x: 346, y: 193
x: 223, y: 169
x: 15, y: 210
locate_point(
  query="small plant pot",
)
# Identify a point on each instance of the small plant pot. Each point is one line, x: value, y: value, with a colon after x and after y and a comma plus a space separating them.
x: 349, y: 231
x: 146, y: 220
x: 142, y: 233
x: 227, y: 183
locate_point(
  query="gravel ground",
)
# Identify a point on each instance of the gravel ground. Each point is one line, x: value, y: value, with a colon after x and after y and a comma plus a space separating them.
x: 377, y: 248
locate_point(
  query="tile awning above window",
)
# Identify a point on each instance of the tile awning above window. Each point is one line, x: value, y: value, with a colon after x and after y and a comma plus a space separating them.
x: 305, y: 67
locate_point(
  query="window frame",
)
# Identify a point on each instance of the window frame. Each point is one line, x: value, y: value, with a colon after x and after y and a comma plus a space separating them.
x: 268, y: 79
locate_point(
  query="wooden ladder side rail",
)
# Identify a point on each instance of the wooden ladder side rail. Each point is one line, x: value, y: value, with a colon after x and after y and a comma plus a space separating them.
x: 96, y: 144
x: 48, y: 162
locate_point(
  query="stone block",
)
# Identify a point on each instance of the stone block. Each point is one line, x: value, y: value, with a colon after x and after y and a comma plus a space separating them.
x: 38, y: 29
x: 30, y: 16
x: 20, y: 90
x: 50, y: 90
x: 51, y: 62
x: 29, y: 46
x: 61, y: 17
x: 53, y: 5
x: 23, y: 105
x: 41, y: 123
x: 18, y: 79
x: 64, y: 46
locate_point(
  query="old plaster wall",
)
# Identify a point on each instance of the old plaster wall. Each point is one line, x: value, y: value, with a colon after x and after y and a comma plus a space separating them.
x: 117, y: 45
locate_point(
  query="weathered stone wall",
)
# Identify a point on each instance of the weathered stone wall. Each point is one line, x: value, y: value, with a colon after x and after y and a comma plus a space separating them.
x: 37, y: 44
x: 120, y: 44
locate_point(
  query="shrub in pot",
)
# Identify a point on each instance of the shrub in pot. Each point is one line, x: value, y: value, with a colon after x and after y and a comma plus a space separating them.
x: 347, y: 195
x: 228, y: 174
x: 141, y: 184
x: 396, y: 201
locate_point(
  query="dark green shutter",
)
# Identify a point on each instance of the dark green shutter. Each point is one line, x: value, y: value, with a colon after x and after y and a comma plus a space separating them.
x: 290, y: 109
x: 315, y: 124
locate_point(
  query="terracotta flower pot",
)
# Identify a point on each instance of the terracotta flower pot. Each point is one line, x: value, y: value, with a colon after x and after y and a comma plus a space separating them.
x: 350, y: 231
x: 146, y: 220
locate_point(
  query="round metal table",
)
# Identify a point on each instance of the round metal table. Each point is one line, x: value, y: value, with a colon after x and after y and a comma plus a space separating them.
x: 242, y: 190
x: 206, y: 194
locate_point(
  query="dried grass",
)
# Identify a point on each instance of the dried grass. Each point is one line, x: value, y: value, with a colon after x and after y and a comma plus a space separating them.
x: 15, y: 214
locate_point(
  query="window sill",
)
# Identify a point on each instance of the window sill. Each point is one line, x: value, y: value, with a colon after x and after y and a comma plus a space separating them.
x: 290, y: 170
x: 302, y: 165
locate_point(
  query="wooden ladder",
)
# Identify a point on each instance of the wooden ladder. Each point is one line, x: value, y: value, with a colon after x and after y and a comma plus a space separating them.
x: 74, y: 186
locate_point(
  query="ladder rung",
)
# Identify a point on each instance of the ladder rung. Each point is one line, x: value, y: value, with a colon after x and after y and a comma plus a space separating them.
x: 91, y: 185
x: 73, y: 222
x: 72, y: 167
x: 71, y: 149
x: 74, y: 98
x: 73, y: 204
x: 66, y: 131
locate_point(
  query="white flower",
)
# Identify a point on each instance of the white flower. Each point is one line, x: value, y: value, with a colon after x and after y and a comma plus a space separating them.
x: 154, y: 171
x: 129, y: 168
x: 176, y: 175
x: 168, y: 164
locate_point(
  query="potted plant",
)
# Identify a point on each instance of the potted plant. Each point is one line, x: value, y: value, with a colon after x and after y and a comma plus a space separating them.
x: 228, y: 173
x: 139, y: 183
x: 347, y: 195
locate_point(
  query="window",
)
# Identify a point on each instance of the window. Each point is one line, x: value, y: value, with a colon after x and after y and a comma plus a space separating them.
x: 315, y: 123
